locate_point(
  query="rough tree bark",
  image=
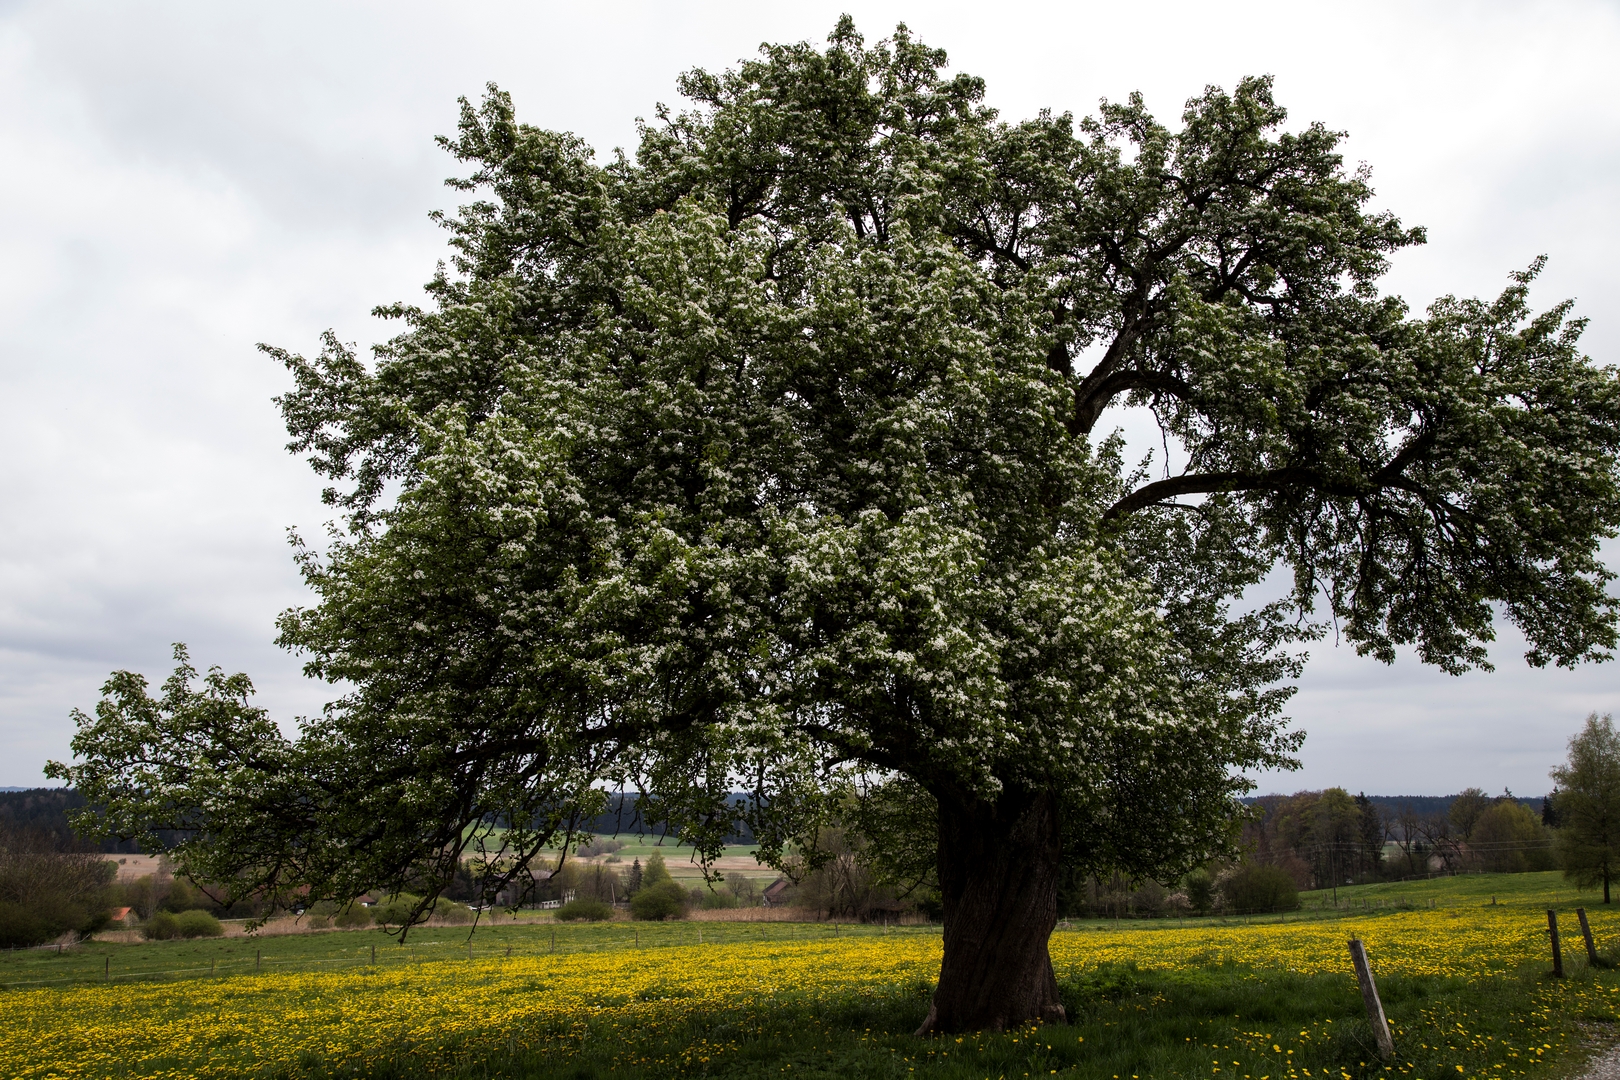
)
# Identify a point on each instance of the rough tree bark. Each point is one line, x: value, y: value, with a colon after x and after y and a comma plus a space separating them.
x: 998, y: 874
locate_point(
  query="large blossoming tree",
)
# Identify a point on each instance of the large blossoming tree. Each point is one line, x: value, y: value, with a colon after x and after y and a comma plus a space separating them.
x: 778, y: 458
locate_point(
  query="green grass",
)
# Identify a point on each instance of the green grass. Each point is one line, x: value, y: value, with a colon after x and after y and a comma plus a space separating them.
x: 97, y: 961
x: 1126, y: 1024
x: 1536, y: 891
x: 1548, y: 889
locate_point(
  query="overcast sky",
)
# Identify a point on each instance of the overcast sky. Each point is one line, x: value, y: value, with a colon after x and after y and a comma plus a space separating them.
x: 182, y: 181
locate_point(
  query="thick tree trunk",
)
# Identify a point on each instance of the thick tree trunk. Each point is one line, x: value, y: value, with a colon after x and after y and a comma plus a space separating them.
x: 998, y: 874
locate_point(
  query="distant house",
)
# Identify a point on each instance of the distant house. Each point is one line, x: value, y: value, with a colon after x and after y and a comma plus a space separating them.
x: 776, y: 892
x: 120, y: 915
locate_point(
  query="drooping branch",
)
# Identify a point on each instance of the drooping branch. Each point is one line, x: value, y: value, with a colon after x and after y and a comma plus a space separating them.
x: 1209, y: 483
x: 1390, y: 475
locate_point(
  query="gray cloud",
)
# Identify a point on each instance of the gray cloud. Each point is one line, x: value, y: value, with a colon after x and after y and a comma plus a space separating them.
x: 186, y: 180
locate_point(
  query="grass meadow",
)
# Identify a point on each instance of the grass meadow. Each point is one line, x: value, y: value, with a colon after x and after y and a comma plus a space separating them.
x: 1464, y: 983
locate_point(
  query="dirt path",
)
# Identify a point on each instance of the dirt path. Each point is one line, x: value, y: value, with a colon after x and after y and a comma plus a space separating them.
x: 1606, y: 1066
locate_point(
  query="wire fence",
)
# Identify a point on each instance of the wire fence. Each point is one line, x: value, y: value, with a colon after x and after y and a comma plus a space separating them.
x: 395, y: 955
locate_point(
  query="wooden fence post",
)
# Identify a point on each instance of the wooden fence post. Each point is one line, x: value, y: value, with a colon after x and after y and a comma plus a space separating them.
x: 108, y: 969
x: 1586, y: 932
x: 1558, y: 954
x: 374, y: 956
x: 1369, y: 996
x: 258, y: 960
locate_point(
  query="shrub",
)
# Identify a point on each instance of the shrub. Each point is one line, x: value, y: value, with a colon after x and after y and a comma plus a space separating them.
x: 1509, y: 839
x: 198, y: 923
x: 166, y: 925
x: 355, y: 914
x: 721, y: 898
x: 598, y: 845
x: 184, y: 896
x: 22, y: 925
x: 453, y: 913
x: 661, y: 901
x: 587, y: 910
x: 395, y: 910
x: 46, y: 891
x: 162, y: 926
x: 1255, y: 888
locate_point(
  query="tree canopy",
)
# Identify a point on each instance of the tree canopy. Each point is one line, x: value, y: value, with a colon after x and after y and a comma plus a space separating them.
x: 778, y: 456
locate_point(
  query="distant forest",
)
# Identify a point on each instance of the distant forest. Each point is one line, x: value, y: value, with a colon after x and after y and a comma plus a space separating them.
x: 46, y: 810
x: 1422, y: 805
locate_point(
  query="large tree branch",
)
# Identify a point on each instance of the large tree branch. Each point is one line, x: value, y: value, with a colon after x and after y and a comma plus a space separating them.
x: 1205, y: 484
x: 1405, y: 456
x: 1086, y: 409
x: 1390, y: 475
x: 1087, y: 412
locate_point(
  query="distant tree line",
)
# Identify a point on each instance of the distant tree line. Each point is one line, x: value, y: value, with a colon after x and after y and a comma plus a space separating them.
x: 1323, y: 839
x: 45, y: 811
x: 1330, y: 837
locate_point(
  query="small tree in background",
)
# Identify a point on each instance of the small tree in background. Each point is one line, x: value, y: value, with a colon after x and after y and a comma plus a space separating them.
x: 1323, y: 829
x: 1373, y: 830
x: 1467, y: 808
x: 655, y: 872
x: 745, y: 889
x: 1509, y: 839
x: 1587, y: 803
x: 1200, y: 886
x: 659, y: 896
